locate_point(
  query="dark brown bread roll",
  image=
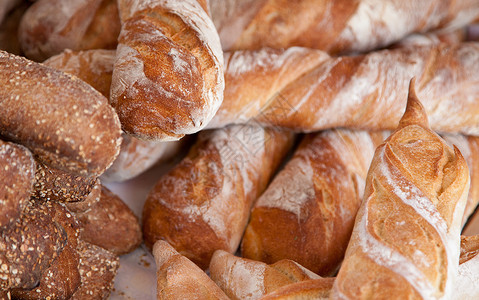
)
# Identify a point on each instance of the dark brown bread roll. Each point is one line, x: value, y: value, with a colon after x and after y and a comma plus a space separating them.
x: 62, y: 120
x: 17, y: 171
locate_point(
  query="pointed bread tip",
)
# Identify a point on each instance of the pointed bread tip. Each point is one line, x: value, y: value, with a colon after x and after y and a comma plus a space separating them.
x: 162, y: 252
x: 415, y: 113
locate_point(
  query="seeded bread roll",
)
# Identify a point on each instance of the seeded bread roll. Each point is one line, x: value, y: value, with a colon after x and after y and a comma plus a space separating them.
x: 30, y: 246
x: 168, y: 76
x: 50, y: 26
x: 211, y: 191
x: 17, y: 171
x: 61, y: 186
x: 62, y: 120
x: 110, y: 224
x: 97, y: 269
x: 179, y: 278
x: 407, y: 232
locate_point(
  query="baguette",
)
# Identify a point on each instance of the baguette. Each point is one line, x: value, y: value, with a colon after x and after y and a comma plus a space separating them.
x: 352, y: 91
x: 242, y: 278
x: 168, y: 76
x: 211, y: 191
x: 307, y: 212
x: 179, y: 278
x: 17, y: 174
x: 95, y: 67
x: 407, y: 232
x: 50, y: 26
x: 336, y: 27
x: 62, y: 120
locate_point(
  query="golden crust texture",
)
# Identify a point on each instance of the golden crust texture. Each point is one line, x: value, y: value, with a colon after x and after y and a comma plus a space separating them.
x: 405, y: 240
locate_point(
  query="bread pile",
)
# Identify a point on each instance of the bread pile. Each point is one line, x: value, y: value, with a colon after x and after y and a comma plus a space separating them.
x: 335, y: 149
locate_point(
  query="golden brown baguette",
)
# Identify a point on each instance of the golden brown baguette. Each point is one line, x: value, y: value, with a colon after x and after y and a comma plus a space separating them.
x: 407, y: 232
x: 110, y: 224
x: 314, y: 289
x: 50, y: 26
x: 242, y: 278
x: 17, y: 176
x: 168, y: 76
x: 179, y: 278
x: 95, y: 67
x: 352, y: 91
x: 62, y: 120
x: 211, y: 191
x: 307, y: 212
x: 334, y: 26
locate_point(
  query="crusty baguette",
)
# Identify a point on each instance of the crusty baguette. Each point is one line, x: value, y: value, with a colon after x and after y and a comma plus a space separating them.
x: 211, y: 191
x: 17, y: 176
x: 97, y: 269
x: 50, y: 26
x: 110, y: 224
x: 314, y: 289
x: 307, y: 213
x: 241, y: 278
x: 334, y: 26
x: 62, y: 120
x: 179, y: 278
x: 407, y: 232
x: 95, y: 67
x: 168, y: 77
x: 353, y: 91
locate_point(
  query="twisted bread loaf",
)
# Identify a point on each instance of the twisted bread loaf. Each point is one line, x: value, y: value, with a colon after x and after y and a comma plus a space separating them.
x: 406, y: 235
x: 179, y: 278
x: 366, y: 91
x: 62, y: 120
x: 211, y: 191
x: 334, y: 26
x: 50, y: 26
x: 168, y: 76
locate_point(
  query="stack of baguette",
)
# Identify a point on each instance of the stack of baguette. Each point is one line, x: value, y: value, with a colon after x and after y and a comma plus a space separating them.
x: 334, y: 147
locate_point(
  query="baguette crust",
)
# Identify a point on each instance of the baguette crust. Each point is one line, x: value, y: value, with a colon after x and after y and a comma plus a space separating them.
x: 212, y: 190
x: 357, y: 91
x: 17, y: 175
x: 48, y: 27
x: 315, y: 289
x: 168, y: 76
x: 307, y: 213
x: 405, y: 240
x: 242, y: 278
x: 340, y: 26
x: 63, y: 121
x: 179, y: 278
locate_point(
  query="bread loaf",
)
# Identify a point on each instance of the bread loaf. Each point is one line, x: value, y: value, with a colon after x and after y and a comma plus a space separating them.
x: 17, y: 175
x: 242, y: 278
x: 366, y: 91
x: 179, y: 278
x: 211, y: 191
x: 168, y: 76
x: 342, y: 26
x: 48, y: 27
x: 62, y: 120
x: 407, y: 232
x: 307, y: 212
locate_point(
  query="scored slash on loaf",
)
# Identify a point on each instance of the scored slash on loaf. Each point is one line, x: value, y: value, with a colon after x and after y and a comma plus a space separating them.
x: 407, y: 231
x: 168, y: 75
